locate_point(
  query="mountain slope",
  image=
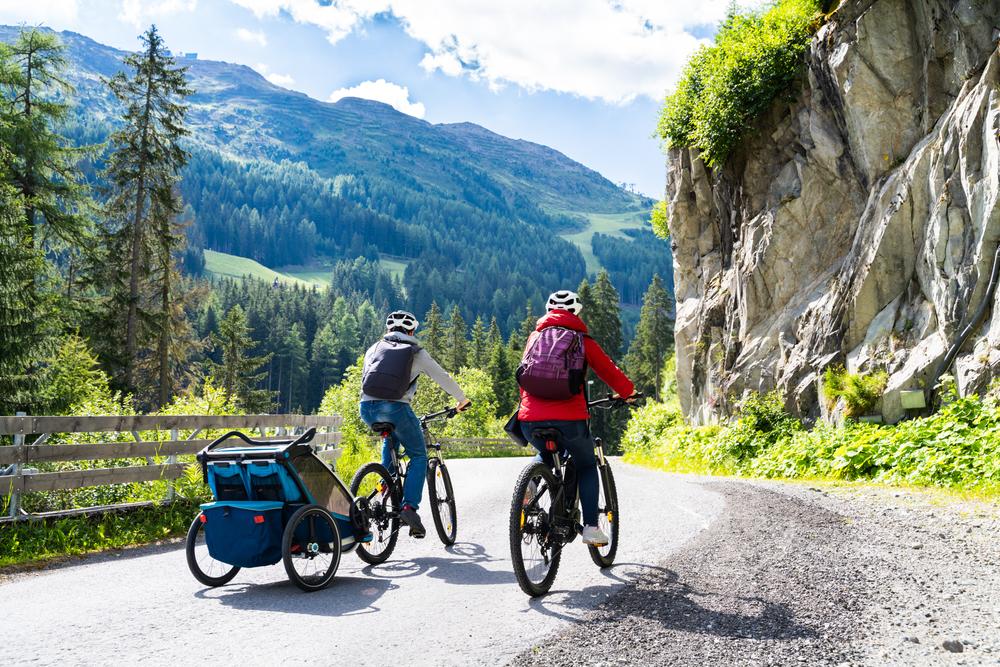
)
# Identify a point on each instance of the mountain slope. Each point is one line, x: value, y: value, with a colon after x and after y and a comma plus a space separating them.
x: 284, y: 179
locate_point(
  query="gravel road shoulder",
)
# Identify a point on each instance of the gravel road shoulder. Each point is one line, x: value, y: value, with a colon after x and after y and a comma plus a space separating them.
x: 796, y: 575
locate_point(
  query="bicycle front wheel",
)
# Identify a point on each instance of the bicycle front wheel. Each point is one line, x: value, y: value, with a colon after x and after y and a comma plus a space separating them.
x: 607, y: 518
x: 382, y: 502
x: 534, y: 550
x: 442, y: 497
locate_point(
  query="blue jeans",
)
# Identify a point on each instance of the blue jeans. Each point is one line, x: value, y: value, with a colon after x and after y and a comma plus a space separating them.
x: 577, y: 441
x: 407, y: 433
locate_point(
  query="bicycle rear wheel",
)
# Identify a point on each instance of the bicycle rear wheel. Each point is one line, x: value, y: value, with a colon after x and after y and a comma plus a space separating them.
x: 534, y: 550
x: 373, y: 483
x: 442, y: 498
x: 607, y: 518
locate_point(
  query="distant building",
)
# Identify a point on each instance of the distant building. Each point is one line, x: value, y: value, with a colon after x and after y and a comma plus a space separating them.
x: 189, y: 56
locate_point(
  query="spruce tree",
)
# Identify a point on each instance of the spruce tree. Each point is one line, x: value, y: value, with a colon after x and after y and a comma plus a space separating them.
x: 141, y: 172
x: 493, y: 336
x: 20, y: 316
x: 239, y: 373
x: 478, y: 347
x: 433, y: 333
x: 42, y: 164
x: 502, y: 378
x: 602, y: 313
x: 457, y: 345
x: 653, y: 340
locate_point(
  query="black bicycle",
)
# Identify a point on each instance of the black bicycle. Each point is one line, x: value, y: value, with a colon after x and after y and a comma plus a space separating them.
x: 545, y: 511
x: 382, y: 493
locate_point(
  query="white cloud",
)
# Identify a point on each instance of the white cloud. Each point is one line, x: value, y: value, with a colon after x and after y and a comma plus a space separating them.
x: 138, y: 13
x: 252, y: 36
x: 57, y: 14
x: 613, y: 50
x: 390, y: 93
x: 283, y: 80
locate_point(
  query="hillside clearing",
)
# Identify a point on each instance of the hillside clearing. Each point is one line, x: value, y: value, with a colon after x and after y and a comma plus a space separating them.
x: 612, y: 224
x: 234, y: 266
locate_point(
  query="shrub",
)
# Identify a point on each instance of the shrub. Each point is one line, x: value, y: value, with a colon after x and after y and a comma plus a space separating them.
x: 861, y: 393
x: 755, y: 57
x: 958, y: 447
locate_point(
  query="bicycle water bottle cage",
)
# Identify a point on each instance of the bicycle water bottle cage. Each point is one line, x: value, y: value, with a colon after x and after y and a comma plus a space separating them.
x: 549, y: 435
x: 384, y: 429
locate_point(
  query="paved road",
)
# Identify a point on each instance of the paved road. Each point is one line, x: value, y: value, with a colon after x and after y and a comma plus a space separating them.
x: 427, y: 605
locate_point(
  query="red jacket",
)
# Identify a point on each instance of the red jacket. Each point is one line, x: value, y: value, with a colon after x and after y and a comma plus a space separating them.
x: 540, y: 409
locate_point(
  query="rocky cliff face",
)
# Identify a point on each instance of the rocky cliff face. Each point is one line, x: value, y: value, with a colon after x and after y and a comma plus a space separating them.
x: 858, y: 225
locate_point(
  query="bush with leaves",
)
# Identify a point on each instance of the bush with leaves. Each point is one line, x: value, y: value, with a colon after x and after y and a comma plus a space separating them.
x: 756, y: 55
x: 860, y: 393
x: 957, y: 447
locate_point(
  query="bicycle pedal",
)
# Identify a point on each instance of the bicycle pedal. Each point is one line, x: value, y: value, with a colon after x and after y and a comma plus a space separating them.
x: 417, y: 535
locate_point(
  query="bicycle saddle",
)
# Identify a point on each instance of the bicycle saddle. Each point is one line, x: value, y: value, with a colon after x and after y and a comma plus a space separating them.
x: 550, y: 436
x: 383, y: 427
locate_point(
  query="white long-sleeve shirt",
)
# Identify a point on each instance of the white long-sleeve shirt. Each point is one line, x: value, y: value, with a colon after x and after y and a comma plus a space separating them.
x: 424, y: 363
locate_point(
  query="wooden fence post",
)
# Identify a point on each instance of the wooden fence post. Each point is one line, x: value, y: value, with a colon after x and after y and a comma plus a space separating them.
x: 174, y: 435
x: 15, y: 497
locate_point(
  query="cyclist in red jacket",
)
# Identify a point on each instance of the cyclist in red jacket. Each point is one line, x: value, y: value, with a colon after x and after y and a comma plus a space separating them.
x: 570, y: 416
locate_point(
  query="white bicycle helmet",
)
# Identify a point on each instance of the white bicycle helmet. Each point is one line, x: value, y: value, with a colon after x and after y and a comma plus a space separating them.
x: 401, y: 319
x: 564, y: 300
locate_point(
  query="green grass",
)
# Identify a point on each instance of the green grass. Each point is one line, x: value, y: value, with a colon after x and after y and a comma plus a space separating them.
x: 234, y: 266
x: 957, y: 448
x: 395, y: 266
x: 317, y: 275
x: 612, y: 224
x: 47, y: 539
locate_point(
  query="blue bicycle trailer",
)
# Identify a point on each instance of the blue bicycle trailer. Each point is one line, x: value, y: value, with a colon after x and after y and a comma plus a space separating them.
x: 274, y: 500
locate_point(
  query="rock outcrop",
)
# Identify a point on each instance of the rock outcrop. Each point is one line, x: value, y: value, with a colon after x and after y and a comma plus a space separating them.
x: 857, y: 225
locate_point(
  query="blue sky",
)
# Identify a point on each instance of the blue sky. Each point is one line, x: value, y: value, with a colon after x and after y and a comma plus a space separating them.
x: 582, y: 76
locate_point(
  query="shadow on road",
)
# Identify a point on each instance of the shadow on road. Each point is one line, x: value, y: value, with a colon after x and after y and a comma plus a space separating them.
x: 346, y: 596
x: 464, y: 567
x: 658, y: 595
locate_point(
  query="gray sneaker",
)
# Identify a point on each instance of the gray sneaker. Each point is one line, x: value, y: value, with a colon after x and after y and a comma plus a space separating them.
x: 410, y: 517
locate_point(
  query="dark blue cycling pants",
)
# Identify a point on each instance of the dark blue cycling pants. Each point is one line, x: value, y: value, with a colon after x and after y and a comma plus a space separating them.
x: 576, y: 440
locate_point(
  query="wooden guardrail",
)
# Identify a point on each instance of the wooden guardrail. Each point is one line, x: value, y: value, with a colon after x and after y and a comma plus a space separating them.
x: 18, y: 477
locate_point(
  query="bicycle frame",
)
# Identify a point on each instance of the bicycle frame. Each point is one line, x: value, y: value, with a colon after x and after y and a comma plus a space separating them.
x: 399, y: 465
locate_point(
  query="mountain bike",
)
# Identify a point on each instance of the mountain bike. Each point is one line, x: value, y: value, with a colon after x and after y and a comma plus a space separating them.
x: 545, y: 511
x: 381, y: 493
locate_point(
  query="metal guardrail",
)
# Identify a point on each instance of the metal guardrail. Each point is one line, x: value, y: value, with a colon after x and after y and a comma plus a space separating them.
x: 18, y: 477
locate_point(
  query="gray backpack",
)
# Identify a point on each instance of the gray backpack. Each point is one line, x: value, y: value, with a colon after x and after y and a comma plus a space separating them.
x: 387, y: 375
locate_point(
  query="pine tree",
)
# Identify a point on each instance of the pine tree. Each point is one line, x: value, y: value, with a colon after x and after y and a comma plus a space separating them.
x: 519, y: 336
x: 239, y: 373
x: 494, y: 336
x: 458, y: 346
x: 478, y: 350
x: 502, y: 378
x: 20, y: 316
x: 42, y: 164
x: 176, y: 341
x: 433, y: 333
x: 653, y: 339
x: 602, y: 313
x: 142, y: 171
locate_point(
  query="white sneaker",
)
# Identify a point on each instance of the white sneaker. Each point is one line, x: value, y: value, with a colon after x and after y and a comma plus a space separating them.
x: 594, y: 536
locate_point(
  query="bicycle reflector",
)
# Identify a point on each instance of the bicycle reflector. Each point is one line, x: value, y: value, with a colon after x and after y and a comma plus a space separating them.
x: 203, y: 518
x: 259, y: 518
x: 550, y: 445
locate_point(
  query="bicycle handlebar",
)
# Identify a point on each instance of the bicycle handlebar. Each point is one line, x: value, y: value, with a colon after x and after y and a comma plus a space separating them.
x: 614, y: 401
x: 447, y: 413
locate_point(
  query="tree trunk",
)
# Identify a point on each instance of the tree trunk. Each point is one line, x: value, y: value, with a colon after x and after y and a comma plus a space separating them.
x: 164, y: 351
x: 136, y: 252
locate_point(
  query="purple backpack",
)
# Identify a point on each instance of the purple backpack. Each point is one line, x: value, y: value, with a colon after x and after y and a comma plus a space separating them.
x: 555, y: 364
